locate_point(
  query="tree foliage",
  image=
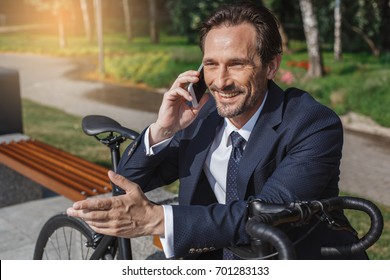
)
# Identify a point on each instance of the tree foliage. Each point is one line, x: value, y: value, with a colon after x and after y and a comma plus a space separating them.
x: 187, y: 15
x: 365, y: 25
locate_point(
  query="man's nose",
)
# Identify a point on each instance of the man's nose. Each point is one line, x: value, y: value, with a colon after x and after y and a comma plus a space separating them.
x: 222, y: 79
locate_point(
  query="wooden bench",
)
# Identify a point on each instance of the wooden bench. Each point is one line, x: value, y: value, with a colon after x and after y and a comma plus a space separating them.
x: 59, y: 171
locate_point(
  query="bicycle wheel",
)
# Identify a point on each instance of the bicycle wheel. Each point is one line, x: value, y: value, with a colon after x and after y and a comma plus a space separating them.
x: 66, y: 238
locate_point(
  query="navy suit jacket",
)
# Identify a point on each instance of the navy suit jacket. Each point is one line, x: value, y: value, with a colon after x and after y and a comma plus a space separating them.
x: 293, y: 153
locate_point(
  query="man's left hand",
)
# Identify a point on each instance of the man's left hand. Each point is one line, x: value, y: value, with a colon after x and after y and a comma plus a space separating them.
x: 129, y: 215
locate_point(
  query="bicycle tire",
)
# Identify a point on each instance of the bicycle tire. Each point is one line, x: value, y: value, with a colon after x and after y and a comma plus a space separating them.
x: 64, y: 237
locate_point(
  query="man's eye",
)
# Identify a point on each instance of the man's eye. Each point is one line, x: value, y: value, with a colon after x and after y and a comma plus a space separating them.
x: 210, y: 65
x: 237, y: 65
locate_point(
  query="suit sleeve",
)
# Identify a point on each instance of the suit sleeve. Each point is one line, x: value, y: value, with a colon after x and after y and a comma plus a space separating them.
x: 149, y: 171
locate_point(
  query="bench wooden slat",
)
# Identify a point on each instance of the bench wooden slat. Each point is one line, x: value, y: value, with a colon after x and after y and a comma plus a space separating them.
x: 38, y: 166
x: 61, y: 172
x: 66, y: 156
x: 61, y: 168
x: 41, y: 178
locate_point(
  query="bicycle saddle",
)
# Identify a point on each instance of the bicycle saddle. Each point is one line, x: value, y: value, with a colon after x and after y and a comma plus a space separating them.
x: 95, y: 124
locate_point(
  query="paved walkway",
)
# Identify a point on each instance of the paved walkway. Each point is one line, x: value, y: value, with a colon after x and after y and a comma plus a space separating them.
x: 43, y: 79
x: 365, y: 164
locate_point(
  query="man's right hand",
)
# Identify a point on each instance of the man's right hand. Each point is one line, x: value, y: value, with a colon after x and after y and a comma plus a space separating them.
x: 175, y: 114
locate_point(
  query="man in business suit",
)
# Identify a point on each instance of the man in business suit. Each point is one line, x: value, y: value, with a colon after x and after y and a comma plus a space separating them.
x: 290, y: 149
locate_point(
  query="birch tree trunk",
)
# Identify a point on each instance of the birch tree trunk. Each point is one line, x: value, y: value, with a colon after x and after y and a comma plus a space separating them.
x: 285, y: 40
x: 61, y: 29
x: 99, y: 30
x: 337, y: 31
x: 153, y: 22
x: 316, y: 68
x: 127, y: 15
x: 86, y: 20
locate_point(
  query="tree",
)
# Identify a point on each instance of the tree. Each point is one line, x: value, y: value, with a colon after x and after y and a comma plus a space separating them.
x: 86, y: 20
x: 128, y: 24
x: 154, y: 36
x: 284, y: 10
x: 337, y: 31
x: 385, y: 25
x: 364, y: 17
x: 187, y: 15
x: 60, y: 9
x: 316, y: 68
x: 99, y: 29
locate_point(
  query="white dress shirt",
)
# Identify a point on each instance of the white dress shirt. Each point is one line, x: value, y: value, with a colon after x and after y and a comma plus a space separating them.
x: 215, y: 168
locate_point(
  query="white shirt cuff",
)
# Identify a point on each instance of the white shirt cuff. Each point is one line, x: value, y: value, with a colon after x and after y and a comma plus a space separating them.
x: 156, y: 148
x: 167, y: 240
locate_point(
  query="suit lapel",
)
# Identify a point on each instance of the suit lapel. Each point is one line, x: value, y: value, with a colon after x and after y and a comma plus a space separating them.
x: 262, y: 138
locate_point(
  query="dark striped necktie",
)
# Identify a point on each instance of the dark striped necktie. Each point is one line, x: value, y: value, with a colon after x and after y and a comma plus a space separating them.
x: 231, y: 179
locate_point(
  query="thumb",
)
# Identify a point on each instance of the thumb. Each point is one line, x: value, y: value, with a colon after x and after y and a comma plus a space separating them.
x: 121, y: 181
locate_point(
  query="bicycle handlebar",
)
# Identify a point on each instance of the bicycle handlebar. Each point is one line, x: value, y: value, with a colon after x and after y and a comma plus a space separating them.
x: 265, y: 217
x: 373, y: 234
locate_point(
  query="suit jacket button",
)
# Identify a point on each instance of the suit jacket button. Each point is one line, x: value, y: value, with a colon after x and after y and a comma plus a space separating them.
x: 192, y: 251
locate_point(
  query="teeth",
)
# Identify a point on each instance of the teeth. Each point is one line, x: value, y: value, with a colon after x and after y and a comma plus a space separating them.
x: 228, y: 95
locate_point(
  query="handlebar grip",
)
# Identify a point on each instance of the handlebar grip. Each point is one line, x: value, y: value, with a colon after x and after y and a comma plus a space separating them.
x: 372, y: 235
x: 274, y: 236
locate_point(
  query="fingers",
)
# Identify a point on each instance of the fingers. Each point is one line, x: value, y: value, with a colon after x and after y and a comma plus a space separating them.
x: 177, y: 93
x: 93, y: 204
x: 89, y: 215
x: 81, y: 208
x: 184, y: 78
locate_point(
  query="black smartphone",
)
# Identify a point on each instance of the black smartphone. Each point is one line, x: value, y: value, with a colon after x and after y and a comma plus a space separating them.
x: 197, y: 89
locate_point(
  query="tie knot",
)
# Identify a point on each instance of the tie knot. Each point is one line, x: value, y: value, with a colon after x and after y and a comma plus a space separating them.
x: 237, y: 140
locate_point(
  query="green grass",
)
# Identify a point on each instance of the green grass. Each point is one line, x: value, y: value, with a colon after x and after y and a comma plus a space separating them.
x: 360, y: 221
x: 360, y: 83
x: 62, y: 131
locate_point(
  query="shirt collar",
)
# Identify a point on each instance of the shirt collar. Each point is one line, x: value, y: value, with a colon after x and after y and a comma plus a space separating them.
x: 246, y: 130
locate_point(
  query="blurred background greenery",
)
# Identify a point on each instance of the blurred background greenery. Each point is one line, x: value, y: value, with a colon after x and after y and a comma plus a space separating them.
x: 149, y: 42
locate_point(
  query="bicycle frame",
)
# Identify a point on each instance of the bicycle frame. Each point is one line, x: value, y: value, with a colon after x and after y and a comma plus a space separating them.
x: 94, y: 125
x: 124, y: 244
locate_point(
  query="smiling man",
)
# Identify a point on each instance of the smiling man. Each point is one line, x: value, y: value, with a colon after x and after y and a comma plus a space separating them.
x: 247, y: 139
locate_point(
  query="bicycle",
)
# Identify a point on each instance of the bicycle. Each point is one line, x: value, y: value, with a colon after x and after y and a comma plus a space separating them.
x: 58, y: 238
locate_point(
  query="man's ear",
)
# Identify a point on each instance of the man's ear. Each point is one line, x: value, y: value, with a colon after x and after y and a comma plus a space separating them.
x: 273, y: 67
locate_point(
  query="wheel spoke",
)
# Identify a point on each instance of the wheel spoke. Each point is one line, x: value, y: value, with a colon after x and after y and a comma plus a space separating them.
x: 64, y: 237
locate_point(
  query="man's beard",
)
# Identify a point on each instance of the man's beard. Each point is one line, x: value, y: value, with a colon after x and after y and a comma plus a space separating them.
x: 228, y: 110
